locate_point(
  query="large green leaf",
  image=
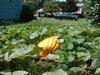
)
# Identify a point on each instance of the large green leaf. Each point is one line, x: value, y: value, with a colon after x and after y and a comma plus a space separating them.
x: 97, y: 72
x: 70, y: 46
x: 21, y: 51
x: 5, y: 73
x: 20, y: 73
x: 14, y: 73
x: 75, y: 69
x: 71, y: 58
x: 80, y: 40
x: 69, y: 42
x: 57, y: 72
x: 34, y: 35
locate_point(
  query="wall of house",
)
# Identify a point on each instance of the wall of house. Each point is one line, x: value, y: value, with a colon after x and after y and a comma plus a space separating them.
x: 10, y: 10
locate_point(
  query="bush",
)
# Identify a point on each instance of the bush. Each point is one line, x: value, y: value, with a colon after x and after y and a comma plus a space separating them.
x: 50, y: 6
x: 92, y: 11
x: 26, y: 14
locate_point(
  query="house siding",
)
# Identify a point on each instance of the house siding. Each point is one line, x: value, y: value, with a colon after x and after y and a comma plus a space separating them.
x: 10, y: 10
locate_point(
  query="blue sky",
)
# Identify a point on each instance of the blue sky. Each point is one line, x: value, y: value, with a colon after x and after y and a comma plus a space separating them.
x: 61, y: 0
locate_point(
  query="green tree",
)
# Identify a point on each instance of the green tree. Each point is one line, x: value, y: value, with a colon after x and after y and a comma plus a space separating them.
x: 33, y: 4
x: 29, y: 9
x: 50, y: 6
x: 92, y: 11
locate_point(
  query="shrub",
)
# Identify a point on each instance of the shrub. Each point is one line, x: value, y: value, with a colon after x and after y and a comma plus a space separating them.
x: 50, y: 6
x: 26, y: 14
x: 92, y: 11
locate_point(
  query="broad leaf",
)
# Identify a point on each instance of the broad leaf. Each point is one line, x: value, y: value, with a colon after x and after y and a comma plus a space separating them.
x: 97, y: 72
x: 80, y: 40
x: 70, y: 46
x: 5, y: 73
x: 20, y: 73
x: 71, y: 58
x: 14, y: 73
x: 75, y: 69
x: 57, y: 72
x: 53, y: 57
x: 21, y: 51
x: 34, y: 35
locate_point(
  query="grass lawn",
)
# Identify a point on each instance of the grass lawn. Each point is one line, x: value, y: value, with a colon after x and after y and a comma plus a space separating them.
x: 64, y: 22
x: 54, y: 21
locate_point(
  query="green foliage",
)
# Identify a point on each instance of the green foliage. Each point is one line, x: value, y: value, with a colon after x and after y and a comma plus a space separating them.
x: 50, y: 6
x: 14, y: 73
x: 92, y: 11
x: 58, y: 72
x: 27, y: 13
x: 29, y: 9
x: 33, y: 4
x: 18, y: 47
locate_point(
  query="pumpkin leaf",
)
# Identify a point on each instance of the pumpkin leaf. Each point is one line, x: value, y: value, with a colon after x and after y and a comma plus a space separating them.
x: 97, y: 72
x: 57, y: 72
x: 34, y: 35
x: 80, y: 40
x: 53, y: 57
x: 70, y: 46
x: 21, y: 51
x: 5, y: 73
x: 14, y: 73
x: 20, y: 73
x: 61, y: 40
x: 71, y: 58
x: 75, y: 69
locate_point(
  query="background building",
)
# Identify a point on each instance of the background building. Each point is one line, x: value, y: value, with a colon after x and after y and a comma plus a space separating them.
x: 10, y: 10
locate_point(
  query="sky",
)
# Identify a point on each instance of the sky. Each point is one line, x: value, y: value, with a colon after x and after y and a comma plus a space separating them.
x: 65, y: 0
x: 61, y: 0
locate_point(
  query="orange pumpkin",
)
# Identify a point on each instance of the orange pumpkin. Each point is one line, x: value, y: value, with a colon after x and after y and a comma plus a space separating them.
x: 49, y: 45
x: 54, y: 49
x: 43, y: 53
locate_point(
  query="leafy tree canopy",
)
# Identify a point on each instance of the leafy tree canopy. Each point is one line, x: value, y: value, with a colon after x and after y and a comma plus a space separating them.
x: 50, y: 6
